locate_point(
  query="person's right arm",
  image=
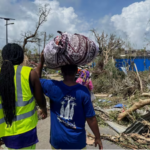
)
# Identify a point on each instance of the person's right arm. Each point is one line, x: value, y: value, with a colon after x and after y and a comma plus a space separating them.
x: 38, y: 94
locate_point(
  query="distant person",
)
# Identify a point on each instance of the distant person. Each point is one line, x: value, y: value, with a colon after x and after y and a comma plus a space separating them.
x: 78, y: 73
x: 19, y: 88
x: 70, y: 108
x: 85, y: 80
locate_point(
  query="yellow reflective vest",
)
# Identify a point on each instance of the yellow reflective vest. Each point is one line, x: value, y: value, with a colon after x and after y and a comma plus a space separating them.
x: 26, y: 114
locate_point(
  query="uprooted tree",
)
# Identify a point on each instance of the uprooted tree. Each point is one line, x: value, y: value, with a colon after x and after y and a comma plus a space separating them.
x: 33, y: 36
x: 108, y: 45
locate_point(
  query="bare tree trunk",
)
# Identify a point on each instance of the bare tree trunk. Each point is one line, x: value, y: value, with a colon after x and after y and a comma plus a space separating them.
x: 141, y: 86
x: 107, y: 44
x: 44, y: 39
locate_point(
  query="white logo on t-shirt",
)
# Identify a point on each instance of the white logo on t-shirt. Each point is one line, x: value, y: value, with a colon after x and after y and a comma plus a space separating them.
x: 68, y: 112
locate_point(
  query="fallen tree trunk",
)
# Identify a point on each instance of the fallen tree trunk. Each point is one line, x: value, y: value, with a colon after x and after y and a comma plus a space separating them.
x: 145, y: 94
x: 136, y: 106
x: 142, y: 142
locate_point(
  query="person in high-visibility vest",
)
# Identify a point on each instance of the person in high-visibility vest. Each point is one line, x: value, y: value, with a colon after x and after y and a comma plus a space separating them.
x: 19, y: 88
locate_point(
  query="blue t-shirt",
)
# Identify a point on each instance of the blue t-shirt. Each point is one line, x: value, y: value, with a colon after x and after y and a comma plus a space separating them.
x: 70, y: 106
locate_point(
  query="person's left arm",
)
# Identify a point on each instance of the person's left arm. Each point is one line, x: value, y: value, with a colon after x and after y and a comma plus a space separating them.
x: 91, y: 119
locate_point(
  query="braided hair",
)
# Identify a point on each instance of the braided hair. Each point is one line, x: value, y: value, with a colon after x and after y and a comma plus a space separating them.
x: 12, y: 54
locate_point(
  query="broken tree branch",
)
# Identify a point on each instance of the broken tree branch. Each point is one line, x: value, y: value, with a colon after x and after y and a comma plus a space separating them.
x: 114, y: 139
x: 145, y: 94
x: 136, y: 106
x: 141, y: 86
x: 137, y: 136
x: 107, y: 44
x: 43, y: 13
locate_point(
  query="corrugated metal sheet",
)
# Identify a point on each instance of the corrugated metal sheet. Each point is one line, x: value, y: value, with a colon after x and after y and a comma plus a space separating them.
x: 141, y: 63
x: 138, y: 127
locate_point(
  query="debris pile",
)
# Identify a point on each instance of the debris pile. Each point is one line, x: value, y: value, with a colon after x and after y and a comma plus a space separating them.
x: 132, y: 141
x: 135, y: 134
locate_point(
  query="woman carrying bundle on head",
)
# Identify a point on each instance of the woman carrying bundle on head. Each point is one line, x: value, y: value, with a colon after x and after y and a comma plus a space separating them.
x: 70, y: 102
x: 19, y: 88
x: 85, y: 80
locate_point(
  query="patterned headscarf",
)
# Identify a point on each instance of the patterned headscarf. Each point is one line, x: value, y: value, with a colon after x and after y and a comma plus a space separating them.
x: 85, y: 75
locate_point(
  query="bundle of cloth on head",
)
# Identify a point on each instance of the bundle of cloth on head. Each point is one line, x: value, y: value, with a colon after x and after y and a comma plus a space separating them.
x: 68, y: 48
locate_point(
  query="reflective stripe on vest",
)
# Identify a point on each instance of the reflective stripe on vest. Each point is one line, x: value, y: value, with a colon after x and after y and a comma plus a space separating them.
x: 2, y: 120
x: 22, y: 116
x: 25, y: 115
x: 20, y: 101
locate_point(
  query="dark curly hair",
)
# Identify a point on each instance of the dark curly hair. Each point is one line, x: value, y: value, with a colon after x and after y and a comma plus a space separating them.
x: 12, y: 54
x: 69, y: 70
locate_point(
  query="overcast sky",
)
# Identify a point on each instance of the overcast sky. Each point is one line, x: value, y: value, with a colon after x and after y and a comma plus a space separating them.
x: 128, y: 19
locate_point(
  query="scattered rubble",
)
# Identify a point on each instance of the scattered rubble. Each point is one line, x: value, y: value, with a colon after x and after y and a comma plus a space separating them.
x: 130, y: 93
x: 136, y: 133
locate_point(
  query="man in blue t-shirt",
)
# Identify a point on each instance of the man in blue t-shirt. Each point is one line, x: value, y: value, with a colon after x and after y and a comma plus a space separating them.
x: 71, y: 107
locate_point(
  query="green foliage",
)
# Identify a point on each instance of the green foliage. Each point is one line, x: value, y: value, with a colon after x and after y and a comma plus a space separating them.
x: 103, y: 81
x: 114, y: 115
x: 109, y: 79
x: 100, y: 121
